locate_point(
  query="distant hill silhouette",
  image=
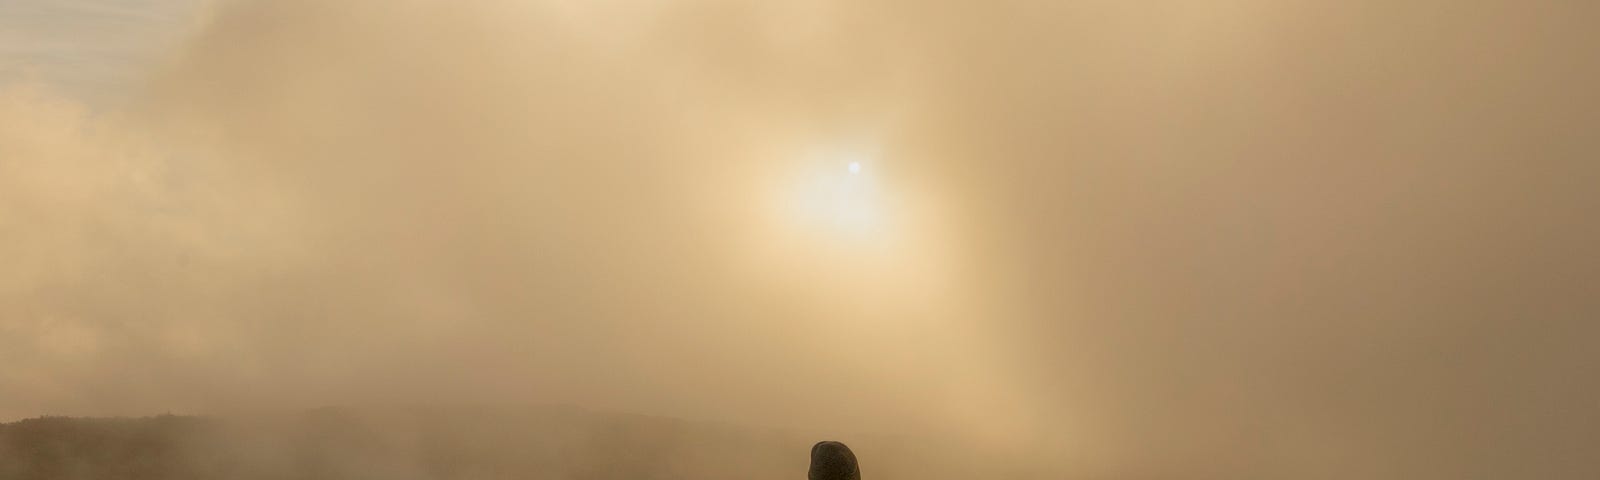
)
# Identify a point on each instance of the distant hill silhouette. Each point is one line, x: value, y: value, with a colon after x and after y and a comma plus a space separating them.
x: 439, y: 443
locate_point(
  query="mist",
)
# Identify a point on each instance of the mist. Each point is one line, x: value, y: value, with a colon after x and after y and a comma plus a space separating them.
x: 1255, y: 239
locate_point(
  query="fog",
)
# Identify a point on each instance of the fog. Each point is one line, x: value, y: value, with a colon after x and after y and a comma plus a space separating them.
x: 1244, y: 239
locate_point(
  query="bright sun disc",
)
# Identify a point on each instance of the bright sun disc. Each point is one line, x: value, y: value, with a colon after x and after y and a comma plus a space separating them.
x: 846, y: 203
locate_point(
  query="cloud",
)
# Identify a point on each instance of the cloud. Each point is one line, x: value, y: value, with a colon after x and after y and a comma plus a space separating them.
x: 1249, y: 239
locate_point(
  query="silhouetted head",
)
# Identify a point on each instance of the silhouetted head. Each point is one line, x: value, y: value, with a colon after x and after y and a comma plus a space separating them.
x: 833, y: 461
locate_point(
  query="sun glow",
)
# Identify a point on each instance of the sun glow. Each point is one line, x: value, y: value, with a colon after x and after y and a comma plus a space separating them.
x: 841, y: 201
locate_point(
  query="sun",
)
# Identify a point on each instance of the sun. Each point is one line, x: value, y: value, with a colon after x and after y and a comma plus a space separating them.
x: 846, y: 203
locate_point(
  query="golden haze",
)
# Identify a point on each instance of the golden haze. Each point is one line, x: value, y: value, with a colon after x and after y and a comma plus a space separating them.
x: 1274, y: 239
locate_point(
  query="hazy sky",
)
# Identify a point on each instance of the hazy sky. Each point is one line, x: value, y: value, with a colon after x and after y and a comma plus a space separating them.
x: 1237, y: 239
x: 97, y: 50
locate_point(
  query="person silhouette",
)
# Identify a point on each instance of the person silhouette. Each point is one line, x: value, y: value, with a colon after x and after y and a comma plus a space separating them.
x: 833, y: 461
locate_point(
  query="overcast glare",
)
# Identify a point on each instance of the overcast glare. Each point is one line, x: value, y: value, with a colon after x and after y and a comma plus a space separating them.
x: 1231, y: 239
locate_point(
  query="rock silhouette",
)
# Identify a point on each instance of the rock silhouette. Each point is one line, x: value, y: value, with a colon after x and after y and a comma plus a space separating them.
x: 833, y: 461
